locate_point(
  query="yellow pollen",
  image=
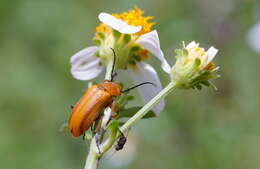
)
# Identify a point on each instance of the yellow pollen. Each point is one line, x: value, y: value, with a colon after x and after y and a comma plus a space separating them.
x: 135, y: 18
x: 101, y: 28
x: 143, y: 53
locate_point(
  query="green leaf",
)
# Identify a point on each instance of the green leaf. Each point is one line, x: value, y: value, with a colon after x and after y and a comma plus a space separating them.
x: 129, y: 112
x: 113, y: 124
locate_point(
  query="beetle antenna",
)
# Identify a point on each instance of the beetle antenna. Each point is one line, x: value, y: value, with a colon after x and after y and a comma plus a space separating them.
x: 127, y: 90
x: 113, y: 67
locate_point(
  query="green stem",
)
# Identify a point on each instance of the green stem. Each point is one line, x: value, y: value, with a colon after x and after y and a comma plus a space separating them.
x: 138, y: 116
x: 93, y: 155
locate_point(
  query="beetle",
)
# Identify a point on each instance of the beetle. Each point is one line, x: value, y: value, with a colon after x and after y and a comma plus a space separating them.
x: 95, y: 99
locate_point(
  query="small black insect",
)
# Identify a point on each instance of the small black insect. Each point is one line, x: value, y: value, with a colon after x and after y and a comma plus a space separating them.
x: 121, y: 142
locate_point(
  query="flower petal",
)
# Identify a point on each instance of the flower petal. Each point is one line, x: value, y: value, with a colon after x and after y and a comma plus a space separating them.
x: 211, y: 53
x: 253, y: 37
x: 84, y: 65
x: 118, y: 24
x: 192, y: 45
x: 151, y: 42
x: 146, y: 73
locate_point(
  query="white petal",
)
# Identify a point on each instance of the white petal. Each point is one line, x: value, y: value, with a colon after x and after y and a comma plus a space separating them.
x: 253, y: 37
x: 211, y: 53
x: 146, y: 73
x: 192, y: 44
x: 84, y: 65
x: 118, y: 24
x: 151, y: 42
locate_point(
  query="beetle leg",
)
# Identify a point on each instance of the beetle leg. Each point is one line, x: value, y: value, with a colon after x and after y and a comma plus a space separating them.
x: 98, y: 126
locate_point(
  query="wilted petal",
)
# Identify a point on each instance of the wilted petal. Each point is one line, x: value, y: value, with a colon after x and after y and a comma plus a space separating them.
x: 151, y: 42
x: 145, y: 73
x: 118, y: 24
x: 84, y: 65
x: 211, y: 53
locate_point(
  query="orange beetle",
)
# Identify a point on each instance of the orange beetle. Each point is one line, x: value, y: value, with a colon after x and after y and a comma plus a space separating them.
x: 90, y: 106
x: 93, y: 102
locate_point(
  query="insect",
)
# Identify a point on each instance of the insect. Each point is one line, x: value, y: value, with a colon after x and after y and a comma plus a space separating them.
x: 121, y: 142
x: 95, y: 99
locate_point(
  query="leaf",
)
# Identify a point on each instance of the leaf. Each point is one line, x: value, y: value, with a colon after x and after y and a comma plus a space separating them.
x: 129, y: 112
x: 113, y: 124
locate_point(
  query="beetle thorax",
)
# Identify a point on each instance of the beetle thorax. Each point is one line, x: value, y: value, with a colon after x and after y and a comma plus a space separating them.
x: 112, y: 88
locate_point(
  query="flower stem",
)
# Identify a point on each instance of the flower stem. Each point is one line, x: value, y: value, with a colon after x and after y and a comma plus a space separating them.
x: 138, y: 116
x: 93, y: 155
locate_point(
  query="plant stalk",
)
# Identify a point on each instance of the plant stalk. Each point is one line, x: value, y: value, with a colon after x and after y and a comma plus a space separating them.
x: 93, y: 155
x: 138, y: 116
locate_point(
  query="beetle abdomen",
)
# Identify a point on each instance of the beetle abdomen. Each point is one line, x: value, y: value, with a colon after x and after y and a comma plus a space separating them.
x: 88, y: 109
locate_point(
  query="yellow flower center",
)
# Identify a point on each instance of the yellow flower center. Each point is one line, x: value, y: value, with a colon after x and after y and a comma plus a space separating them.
x: 125, y: 46
x: 197, y: 52
x: 133, y: 17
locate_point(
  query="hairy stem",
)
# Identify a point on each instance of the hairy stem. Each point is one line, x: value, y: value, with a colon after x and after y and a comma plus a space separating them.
x: 138, y: 116
x: 93, y: 156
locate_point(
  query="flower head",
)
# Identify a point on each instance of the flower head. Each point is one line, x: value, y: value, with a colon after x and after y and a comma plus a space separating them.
x: 131, y: 36
x: 194, y: 66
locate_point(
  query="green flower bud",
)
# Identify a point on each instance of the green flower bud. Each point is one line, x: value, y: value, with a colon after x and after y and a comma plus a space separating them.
x: 194, y: 66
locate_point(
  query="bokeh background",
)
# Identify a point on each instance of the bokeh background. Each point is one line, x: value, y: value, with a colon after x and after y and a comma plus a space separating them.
x: 197, y: 130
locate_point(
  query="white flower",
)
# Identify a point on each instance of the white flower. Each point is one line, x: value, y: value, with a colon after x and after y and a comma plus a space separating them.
x: 194, y: 66
x: 132, y: 42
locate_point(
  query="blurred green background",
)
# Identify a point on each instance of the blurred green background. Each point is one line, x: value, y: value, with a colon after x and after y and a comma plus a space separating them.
x: 197, y: 130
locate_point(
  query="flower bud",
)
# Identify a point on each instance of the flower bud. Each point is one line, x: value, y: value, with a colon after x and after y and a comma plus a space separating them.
x: 194, y: 66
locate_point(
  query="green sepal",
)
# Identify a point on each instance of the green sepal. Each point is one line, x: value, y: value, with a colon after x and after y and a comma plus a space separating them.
x: 129, y: 112
x: 181, y: 52
x: 101, y: 35
x: 136, y: 57
x: 197, y: 62
x: 97, y: 42
x: 185, y: 52
x: 127, y: 38
x: 135, y: 48
x: 116, y: 34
